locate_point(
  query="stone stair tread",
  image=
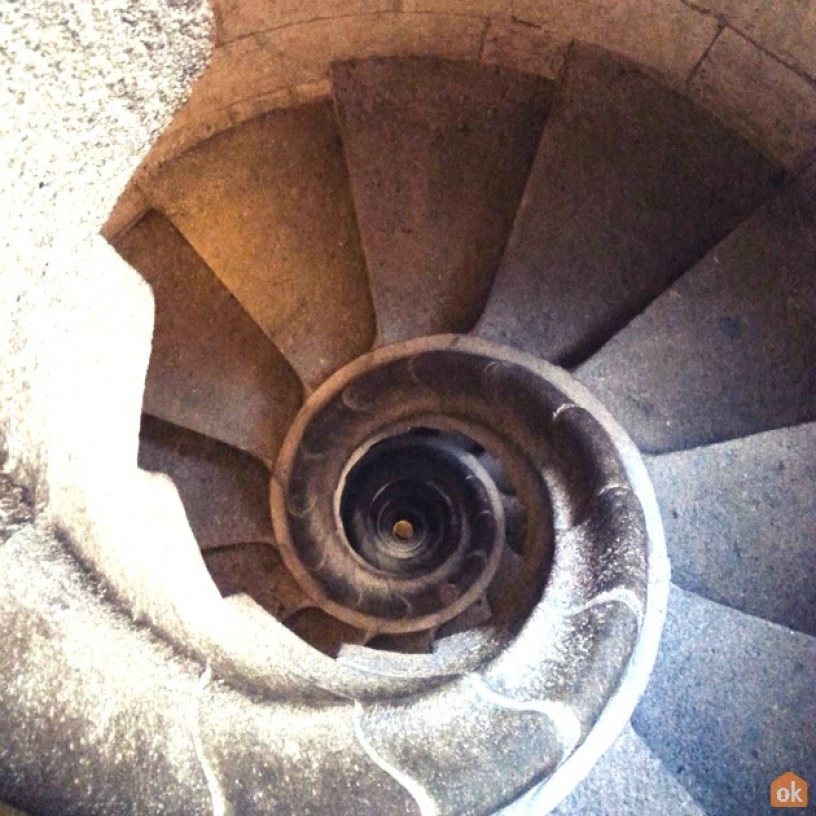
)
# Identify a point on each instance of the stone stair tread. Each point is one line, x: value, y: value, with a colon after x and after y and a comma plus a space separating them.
x: 438, y: 154
x: 740, y: 522
x: 212, y: 370
x: 631, y: 185
x: 628, y: 781
x: 708, y: 360
x: 267, y: 205
x: 225, y: 491
x: 730, y: 706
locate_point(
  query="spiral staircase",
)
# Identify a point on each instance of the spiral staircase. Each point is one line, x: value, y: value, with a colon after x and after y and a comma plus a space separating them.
x: 437, y: 359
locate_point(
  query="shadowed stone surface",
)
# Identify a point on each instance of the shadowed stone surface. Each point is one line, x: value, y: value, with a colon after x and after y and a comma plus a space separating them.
x: 740, y: 521
x: 631, y: 185
x: 770, y: 104
x: 15, y: 508
x: 225, y: 491
x: 730, y: 706
x: 212, y: 370
x: 629, y: 781
x: 729, y: 350
x: 267, y: 206
x: 255, y: 568
x: 438, y: 153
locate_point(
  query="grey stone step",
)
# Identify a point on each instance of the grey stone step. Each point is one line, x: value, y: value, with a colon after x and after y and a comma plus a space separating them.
x: 629, y: 781
x: 212, y: 370
x: 267, y: 205
x: 730, y: 707
x: 438, y: 154
x: 225, y: 491
x: 631, y: 185
x: 729, y: 350
x: 740, y: 522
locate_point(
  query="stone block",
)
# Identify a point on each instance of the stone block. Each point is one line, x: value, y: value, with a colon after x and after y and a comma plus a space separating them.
x: 665, y: 36
x: 239, y: 18
x: 763, y: 99
x: 523, y: 47
x: 787, y: 31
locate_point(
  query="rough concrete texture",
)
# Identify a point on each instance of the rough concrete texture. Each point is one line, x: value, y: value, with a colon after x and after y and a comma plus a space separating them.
x: 630, y: 186
x: 225, y: 491
x: 728, y: 350
x: 730, y: 706
x: 668, y: 38
x: 84, y: 91
x: 789, y: 36
x: 524, y: 48
x: 666, y: 35
x: 629, y: 781
x: 438, y: 154
x: 753, y: 92
x: 740, y: 521
x: 124, y: 725
x: 212, y: 370
x: 304, y: 281
x: 276, y: 61
x: 241, y: 18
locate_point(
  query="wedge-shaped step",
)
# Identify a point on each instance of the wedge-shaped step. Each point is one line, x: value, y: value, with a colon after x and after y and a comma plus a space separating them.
x: 267, y: 205
x: 630, y: 186
x: 730, y: 707
x: 255, y: 568
x: 740, y: 521
x: 730, y: 349
x: 212, y: 369
x: 225, y: 491
x: 629, y: 781
x: 438, y: 154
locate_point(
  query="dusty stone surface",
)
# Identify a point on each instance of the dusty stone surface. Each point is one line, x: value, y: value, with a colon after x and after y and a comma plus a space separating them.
x: 438, y: 154
x: 239, y: 18
x: 523, y: 47
x: 750, y: 304
x: 667, y: 36
x: 278, y: 61
x: 304, y: 282
x: 84, y: 93
x: 790, y: 35
x: 740, y: 521
x: 759, y: 96
x: 212, y: 369
x: 631, y: 184
x: 730, y: 705
x: 629, y: 781
x: 225, y: 491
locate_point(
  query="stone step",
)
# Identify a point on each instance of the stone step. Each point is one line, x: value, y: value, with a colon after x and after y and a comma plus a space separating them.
x: 730, y: 707
x: 629, y: 781
x: 728, y: 350
x: 212, y: 370
x: 438, y: 153
x: 267, y: 205
x: 740, y: 522
x: 631, y: 185
x: 225, y: 491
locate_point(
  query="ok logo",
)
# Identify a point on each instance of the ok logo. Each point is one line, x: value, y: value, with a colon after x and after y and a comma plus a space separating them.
x: 789, y: 791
